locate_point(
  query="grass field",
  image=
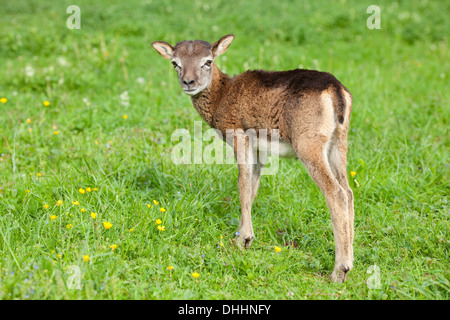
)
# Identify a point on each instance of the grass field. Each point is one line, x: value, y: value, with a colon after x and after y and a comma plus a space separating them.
x: 114, y: 103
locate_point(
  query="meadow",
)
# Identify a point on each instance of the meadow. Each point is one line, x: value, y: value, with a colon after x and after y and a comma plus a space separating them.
x: 88, y: 190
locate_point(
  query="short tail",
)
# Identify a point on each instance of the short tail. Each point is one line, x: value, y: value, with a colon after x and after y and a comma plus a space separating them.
x: 342, y: 106
x: 339, y: 105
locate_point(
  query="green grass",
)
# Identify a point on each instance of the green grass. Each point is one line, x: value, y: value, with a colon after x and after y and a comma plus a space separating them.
x: 398, y: 146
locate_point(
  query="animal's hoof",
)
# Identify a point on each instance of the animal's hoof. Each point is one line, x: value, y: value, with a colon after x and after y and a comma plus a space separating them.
x: 340, y: 271
x: 244, y: 240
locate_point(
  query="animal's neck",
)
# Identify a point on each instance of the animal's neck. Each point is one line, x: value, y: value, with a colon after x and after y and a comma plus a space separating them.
x: 208, y: 100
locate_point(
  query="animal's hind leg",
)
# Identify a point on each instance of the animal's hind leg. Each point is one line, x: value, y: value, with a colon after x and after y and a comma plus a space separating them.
x: 337, y: 157
x: 313, y: 153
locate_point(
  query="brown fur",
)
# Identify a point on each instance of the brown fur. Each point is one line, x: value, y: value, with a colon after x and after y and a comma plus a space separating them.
x: 311, y: 110
x: 236, y: 103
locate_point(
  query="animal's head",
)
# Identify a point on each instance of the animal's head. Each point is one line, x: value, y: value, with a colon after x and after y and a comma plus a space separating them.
x: 193, y: 61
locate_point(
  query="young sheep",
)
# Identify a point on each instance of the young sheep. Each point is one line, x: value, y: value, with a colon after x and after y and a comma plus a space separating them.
x: 310, y: 109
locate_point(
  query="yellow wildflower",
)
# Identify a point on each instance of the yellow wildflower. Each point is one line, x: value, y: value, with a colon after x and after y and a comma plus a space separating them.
x: 95, y: 189
x: 114, y: 246
x: 155, y: 202
x: 169, y: 268
x: 82, y: 191
x: 93, y: 215
x: 27, y: 191
x: 196, y: 275
x: 277, y: 249
x: 158, y: 221
x: 59, y: 202
x: 131, y: 229
x: 125, y: 116
x: 56, y: 132
x: 39, y: 174
x: 107, y: 225
x: 86, y: 258
x: 45, y: 206
x: 28, y: 120
x: 221, y: 244
x: 53, y: 217
x: 163, y: 228
x: 29, y: 129
x: 46, y: 103
x: 83, y: 210
x: 88, y: 189
x: 75, y: 203
x: 162, y: 209
x: 352, y: 173
x: 149, y: 206
x: 69, y: 226
x: 3, y: 100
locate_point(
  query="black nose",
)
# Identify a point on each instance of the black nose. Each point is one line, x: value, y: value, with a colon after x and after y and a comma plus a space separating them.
x: 189, y: 82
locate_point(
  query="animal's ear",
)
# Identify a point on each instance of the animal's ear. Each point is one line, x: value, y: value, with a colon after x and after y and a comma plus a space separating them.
x: 222, y: 45
x: 164, y: 49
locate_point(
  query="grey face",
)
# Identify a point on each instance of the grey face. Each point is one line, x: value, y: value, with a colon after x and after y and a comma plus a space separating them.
x: 193, y: 62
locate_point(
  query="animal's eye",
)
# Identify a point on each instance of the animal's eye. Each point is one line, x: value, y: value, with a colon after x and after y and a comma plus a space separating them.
x: 208, y: 63
x: 174, y: 64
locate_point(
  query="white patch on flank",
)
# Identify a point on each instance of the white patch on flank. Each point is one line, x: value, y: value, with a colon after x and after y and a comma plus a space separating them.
x: 329, y: 123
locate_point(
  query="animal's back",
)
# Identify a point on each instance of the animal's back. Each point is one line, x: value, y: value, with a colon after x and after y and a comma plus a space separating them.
x: 261, y: 99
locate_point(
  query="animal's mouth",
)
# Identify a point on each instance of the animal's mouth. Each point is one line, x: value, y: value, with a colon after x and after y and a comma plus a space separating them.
x: 192, y: 91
